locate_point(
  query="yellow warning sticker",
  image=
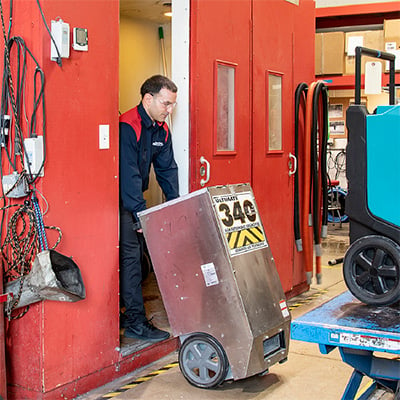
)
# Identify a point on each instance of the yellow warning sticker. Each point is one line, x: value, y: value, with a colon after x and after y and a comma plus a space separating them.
x: 240, y: 222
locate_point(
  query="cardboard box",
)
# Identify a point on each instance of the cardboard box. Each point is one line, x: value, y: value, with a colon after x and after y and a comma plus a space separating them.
x: 394, y: 48
x: 371, y: 39
x: 329, y: 48
x: 337, y: 108
x: 391, y: 29
x: 337, y: 116
x: 318, y: 53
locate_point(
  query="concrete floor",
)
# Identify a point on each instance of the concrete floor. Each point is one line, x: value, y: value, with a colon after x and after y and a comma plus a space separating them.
x: 306, y: 375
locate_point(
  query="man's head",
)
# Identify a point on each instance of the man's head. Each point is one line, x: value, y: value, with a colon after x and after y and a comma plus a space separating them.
x: 158, y: 97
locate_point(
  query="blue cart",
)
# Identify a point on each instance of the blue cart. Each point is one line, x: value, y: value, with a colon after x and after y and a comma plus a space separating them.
x: 358, y: 331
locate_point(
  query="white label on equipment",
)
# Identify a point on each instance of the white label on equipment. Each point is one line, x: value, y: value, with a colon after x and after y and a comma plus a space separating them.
x: 370, y: 341
x: 210, y: 274
x: 240, y: 222
x: 284, y: 308
x: 373, y: 77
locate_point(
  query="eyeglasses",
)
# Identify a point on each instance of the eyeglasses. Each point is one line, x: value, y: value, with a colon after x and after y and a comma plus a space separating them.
x: 164, y: 103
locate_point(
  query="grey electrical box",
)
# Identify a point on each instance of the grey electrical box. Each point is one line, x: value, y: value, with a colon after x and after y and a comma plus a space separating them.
x: 15, y: 186
x: 59, y: 46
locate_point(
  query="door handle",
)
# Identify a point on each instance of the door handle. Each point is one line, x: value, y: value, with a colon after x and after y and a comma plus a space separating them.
x: 292, y: 157
x: 204, y: 170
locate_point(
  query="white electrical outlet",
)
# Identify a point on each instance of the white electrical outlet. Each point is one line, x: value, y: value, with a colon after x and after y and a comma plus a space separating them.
x: 104, y: 137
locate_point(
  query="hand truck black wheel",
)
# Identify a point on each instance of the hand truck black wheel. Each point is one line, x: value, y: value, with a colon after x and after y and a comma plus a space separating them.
x: 371, y: 270
x: 202, y: 361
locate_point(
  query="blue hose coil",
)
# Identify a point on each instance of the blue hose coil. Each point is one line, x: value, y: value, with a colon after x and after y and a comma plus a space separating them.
x: 340, y: 196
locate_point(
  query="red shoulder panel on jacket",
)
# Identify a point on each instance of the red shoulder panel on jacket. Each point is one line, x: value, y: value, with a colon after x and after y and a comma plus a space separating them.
x: 132, y: 118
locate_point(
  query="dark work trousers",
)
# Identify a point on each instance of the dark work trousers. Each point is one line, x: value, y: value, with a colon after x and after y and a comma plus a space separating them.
x: 130, y: 254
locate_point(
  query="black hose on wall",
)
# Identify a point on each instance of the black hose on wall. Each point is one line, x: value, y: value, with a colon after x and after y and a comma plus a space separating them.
x: 300, y: 94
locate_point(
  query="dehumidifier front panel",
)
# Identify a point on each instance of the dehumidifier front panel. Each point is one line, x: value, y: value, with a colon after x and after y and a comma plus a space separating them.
x: 383, y: 167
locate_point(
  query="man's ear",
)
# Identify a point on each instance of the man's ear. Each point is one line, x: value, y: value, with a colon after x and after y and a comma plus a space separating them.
x: 147, y: 99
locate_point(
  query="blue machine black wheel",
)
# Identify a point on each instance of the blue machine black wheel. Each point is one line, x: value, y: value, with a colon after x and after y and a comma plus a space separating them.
x: 371, y: 270
x: 202, y: 361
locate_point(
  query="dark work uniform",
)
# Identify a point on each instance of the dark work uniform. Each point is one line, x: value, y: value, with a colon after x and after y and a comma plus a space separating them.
x: 142, y: 143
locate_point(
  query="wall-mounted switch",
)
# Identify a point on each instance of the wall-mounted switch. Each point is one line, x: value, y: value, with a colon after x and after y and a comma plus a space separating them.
x: 104, y: 137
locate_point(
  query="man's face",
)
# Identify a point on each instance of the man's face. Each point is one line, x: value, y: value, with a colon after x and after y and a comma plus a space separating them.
x: 159, y: 105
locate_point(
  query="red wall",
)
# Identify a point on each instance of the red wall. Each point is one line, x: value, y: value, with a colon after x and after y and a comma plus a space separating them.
x: 56, y: 346
x: 56, y: 343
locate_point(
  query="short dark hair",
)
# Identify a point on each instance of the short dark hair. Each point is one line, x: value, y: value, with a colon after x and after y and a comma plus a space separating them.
x: 157, y: 82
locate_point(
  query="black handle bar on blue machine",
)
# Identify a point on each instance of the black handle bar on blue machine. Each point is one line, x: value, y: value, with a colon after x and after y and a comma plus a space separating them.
x: 377, y: 54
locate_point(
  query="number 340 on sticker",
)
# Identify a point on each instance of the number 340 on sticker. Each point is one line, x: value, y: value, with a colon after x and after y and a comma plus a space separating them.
x: 240, y: 222
x: 236, y: 210
x: 239, y: 212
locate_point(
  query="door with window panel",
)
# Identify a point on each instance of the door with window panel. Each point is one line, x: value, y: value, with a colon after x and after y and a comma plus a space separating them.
x: 273, y: 128
x: 243, y: 73
x: 220, y: 106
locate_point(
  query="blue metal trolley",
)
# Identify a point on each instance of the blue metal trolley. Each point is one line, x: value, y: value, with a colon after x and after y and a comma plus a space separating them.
x: 358, y: 330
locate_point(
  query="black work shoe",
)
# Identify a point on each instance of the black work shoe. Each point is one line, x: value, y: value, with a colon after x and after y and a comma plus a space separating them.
x: 146, y: 331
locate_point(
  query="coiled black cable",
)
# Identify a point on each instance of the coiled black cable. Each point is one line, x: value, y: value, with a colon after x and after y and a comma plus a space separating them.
x: 16, y: 98
x: 323, y: 162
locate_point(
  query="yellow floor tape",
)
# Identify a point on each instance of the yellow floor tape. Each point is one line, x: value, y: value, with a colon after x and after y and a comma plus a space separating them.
x: 138, y: 381
x: 306, y: 300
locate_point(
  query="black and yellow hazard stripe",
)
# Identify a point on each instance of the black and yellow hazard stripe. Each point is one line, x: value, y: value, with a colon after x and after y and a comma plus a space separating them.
x: 137, y: 382
x: 245, y: 237
x: 306, y: 300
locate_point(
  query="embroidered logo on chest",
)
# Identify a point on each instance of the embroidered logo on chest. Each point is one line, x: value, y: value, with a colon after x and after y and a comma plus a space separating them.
x: 158, y: 144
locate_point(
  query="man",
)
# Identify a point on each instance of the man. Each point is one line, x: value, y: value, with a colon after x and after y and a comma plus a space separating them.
x: 144, y: 140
